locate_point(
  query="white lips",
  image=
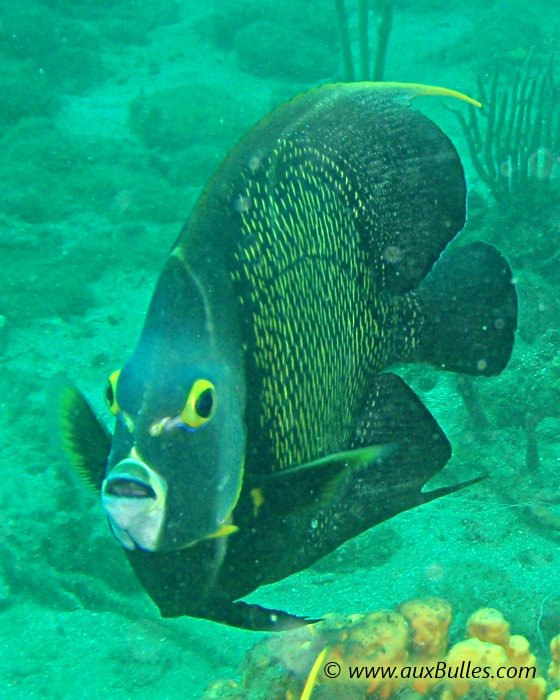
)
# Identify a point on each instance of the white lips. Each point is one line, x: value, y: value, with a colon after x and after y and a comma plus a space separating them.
x: 135, y: 521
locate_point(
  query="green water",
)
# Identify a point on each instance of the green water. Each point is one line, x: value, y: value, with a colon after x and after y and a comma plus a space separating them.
x: 113, y: 115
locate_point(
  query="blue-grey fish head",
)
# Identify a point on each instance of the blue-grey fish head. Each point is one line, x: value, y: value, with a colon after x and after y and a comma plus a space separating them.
x: 176, y: 465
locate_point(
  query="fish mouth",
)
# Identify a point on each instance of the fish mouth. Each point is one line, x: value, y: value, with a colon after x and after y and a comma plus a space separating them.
x: 134, y: 498
x: 129, y: 487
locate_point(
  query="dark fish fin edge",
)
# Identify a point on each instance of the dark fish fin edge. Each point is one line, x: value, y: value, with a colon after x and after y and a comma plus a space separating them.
x: 77, y: 436
x: 453, y: 488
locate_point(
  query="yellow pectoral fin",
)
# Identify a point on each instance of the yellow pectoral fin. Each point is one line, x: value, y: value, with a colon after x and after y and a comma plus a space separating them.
x: 350, y: 459
x: 316, y: 484
x: 223, y: 531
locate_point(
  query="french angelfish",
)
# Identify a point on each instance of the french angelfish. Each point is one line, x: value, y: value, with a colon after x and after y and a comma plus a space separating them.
x: 256, y: 425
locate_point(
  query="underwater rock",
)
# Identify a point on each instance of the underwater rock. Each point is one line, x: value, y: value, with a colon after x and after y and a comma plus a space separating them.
x: 148, y: 15
x: 124, y: 21
x: 271, y: 51
x: 51, y: 175
x: 55, y: 294
x: 482, y: 41
x: 313, y: 21
x: 5, y: 592
x: 373, y: 549
x: 25, y: 92
x: 188, y: 115
x: 65, y: 51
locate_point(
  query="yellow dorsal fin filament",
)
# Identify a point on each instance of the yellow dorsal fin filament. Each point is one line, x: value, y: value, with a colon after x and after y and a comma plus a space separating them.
x: 312, y: 677
x: 223, y: 531
x: 413, y: 90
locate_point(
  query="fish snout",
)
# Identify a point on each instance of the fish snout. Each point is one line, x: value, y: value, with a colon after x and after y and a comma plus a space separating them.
x: 134, y: 498
x: 127, y: 487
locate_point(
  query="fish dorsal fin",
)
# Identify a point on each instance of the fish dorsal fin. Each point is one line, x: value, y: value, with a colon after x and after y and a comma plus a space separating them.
x: 396, y: 163
x: 401, y: 164
x: 410, y: 91
x: 76, y: 434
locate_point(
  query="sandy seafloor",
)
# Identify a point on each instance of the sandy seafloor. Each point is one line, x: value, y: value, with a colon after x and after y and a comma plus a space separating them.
x: 90, y: 203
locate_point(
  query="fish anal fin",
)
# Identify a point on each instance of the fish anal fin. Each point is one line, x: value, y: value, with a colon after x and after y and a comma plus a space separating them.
x: 394, y: 414
x: 391, y: 414
x: 76, y: 434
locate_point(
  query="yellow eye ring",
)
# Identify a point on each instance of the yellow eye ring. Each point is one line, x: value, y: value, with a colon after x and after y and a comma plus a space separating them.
x: 111, y: 392
x: 201, y: 404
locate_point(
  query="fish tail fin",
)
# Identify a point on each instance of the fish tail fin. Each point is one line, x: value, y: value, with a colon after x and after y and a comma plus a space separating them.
x: 469, y: 314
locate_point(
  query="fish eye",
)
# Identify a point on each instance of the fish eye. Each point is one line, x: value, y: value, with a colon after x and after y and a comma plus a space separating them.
x: 110, y: 392
x: 201, y: 404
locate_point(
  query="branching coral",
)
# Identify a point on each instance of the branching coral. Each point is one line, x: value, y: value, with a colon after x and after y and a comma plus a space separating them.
x: 383, y: 20
x: 515, y: 141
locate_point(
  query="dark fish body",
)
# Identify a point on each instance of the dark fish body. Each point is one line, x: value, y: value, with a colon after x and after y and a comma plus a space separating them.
x: 257, y: 428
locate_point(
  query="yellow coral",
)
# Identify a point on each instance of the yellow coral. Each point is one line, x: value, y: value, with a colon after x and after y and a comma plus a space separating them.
x: 555, y: 649
x: 471, y: 654
x: 429, y: 619
x: 489, y: 625
x: 554, y: 668
x: 518, y: 650
x: 378, y: 639
x: 406, y: 642
x: 536, y: 689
